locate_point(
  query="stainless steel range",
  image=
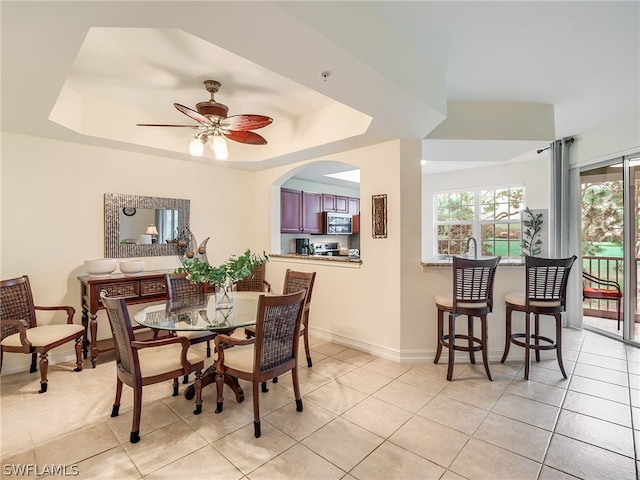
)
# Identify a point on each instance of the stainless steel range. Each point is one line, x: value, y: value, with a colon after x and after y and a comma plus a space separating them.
x: 328, y: 249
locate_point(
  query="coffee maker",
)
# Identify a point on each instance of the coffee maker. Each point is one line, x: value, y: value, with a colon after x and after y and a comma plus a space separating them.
x: 302, y: 246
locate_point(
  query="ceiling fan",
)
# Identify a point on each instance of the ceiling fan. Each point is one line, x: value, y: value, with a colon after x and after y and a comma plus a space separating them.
x: 214, y: 125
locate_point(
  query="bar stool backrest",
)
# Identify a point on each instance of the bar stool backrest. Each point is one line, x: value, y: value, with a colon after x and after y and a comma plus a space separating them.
x: 546, y: 283
x: 473, y: 284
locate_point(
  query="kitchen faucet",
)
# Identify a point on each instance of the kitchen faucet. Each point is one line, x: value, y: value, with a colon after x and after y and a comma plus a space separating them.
x: 475, y: 247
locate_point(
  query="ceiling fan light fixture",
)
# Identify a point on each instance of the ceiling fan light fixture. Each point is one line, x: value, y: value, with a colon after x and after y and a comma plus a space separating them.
x: 213, y: 125
x: 196, y: 147
x: 219, y: 147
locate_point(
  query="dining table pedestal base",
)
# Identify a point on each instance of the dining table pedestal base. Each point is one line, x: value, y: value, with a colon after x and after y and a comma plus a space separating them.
x: 209, y: 376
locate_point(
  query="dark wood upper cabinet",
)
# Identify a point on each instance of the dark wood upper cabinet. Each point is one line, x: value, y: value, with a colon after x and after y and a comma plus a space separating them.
x: 335, y: 203
x: 328, y: 202
x: 312, y: 212
x: 354, y: 206
x: 300, y: 212
x: 290, y: 211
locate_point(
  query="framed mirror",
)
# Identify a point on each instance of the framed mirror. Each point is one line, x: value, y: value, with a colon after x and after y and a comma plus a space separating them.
x: 137, y: 226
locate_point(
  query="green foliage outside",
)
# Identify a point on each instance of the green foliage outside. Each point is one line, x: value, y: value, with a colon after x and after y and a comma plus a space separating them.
x: 602, y: 219
x: 497, y: 209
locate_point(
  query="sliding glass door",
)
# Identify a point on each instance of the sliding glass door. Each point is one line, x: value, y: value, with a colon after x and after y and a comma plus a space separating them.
x: 610, y: 204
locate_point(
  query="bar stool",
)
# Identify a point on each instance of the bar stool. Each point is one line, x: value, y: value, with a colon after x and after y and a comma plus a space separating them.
x: 546, y: 293
x: 472, y: 296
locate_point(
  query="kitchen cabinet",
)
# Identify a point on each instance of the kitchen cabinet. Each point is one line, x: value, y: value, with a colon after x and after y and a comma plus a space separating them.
x: 355, y: 224
x: 290, y: 210
x: 354, y: 211
x: 335, y: 203
x: 312, y: 212
x: 354, y: 206
x: 300, y: 212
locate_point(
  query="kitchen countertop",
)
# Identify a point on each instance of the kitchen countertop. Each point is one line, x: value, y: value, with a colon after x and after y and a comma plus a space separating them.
x: 505, y: 262
x: 322, y: 258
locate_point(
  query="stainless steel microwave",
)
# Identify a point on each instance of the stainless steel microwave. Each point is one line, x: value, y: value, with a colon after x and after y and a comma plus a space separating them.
x: 338, y: 223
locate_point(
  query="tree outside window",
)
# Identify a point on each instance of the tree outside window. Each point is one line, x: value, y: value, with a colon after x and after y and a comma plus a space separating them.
x: 492, y: 216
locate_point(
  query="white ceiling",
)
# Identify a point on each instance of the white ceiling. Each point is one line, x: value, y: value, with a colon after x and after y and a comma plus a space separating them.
x: 87, y: 71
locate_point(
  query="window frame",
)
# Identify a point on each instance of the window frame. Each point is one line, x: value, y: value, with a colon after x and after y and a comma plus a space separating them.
x: 477, y: 223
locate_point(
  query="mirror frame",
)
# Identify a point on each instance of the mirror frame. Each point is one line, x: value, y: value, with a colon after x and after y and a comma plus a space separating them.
x: 115, y: 202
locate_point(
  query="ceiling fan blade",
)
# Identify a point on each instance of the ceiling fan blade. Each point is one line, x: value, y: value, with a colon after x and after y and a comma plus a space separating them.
x: 163, y: 125
x: 246, y: 137
x: 193, y: 114
x: 246, y: 122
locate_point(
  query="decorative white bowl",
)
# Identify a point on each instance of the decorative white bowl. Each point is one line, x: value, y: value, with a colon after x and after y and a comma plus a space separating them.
x: 100, y: 266
x: 131, y: 266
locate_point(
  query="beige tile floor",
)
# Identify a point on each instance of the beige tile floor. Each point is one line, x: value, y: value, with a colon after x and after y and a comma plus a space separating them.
x: 364, y: 418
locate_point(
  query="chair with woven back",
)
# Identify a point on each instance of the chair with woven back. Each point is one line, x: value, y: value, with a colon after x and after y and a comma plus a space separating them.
x: 255, y: 282
x: 295, y: 281
x: 22, y: 334
x: 141, y: 363
x: 182, y: 292
x: 271, y: 352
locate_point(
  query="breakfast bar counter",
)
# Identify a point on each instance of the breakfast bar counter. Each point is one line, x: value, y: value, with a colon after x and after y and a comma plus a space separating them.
x: 321, y: 258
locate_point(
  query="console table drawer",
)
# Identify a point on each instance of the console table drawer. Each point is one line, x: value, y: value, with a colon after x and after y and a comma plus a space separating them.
x: 152, y: 287
x: 124, y: 289
x: 145, y: 287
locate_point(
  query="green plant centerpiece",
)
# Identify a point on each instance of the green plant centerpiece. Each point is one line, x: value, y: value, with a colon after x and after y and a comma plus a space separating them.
x: 531, y: 239
x: 222, y: 276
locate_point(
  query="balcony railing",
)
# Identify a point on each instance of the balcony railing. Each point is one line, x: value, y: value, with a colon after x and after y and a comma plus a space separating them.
x: 607, y: 268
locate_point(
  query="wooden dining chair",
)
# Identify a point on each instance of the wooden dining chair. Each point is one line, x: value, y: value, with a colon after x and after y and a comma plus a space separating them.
x: 472, y: 295
x: 295, y: 281
x: 256, y: 282
x: 183, y: 292
x: 141, y: 363
x: 271, y: 352
x: 22, y: 334
x: 545, y: 293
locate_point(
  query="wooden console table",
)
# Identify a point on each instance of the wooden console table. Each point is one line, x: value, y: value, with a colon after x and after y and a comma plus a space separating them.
x: 145, y: 287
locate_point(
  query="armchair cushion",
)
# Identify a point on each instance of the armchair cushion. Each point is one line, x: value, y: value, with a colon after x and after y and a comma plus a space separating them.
x: 240, y: 357
x: 160, y: 360
x: 43, y: 335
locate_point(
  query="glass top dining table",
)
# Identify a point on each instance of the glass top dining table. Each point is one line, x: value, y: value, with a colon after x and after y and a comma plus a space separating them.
x: 202, y: 315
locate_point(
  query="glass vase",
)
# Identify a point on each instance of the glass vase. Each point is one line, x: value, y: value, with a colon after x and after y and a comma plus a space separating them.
x: 224, y: 295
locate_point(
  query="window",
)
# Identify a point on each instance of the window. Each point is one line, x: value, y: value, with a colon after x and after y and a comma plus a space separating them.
x: 491, y: 216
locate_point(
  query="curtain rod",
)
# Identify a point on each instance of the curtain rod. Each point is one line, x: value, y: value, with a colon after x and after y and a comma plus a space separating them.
x: 566, y: 140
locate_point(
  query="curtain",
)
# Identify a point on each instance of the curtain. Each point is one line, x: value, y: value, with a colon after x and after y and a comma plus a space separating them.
x: 566, y: 223
x: 167, y: 225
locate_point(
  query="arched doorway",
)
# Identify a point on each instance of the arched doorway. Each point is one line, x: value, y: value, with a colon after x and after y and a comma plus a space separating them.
x: 327, y: 182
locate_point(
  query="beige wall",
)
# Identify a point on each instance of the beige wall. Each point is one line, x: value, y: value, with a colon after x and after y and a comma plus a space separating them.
x: 52, y: 219
x: 53, y: 213
x: 357, y: 306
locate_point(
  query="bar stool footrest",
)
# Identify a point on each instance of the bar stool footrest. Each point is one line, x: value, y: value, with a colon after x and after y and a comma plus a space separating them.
x: 551, y: 343
x: 462, y: 348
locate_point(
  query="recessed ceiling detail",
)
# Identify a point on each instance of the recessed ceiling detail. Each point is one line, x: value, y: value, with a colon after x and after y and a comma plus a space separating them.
x: 124, y: 76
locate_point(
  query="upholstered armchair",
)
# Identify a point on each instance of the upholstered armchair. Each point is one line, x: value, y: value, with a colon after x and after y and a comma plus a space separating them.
x: 141, y: 363
x: 271, y: 352
x: 22, y: 334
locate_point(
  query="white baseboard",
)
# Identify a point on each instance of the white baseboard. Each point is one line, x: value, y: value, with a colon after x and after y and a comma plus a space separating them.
x: 20, y: 362
x: 409, y: 355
